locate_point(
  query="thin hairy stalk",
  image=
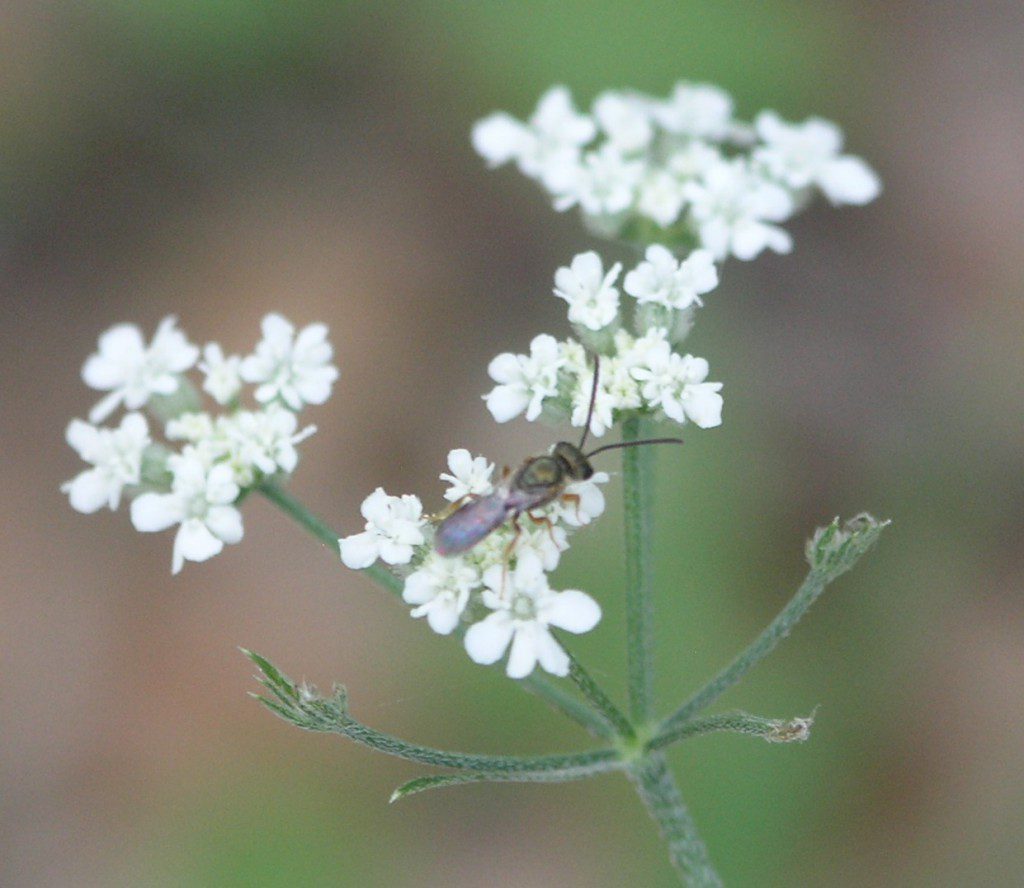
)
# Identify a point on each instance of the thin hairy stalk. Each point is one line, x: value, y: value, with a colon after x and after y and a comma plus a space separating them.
x: 598, y: 698
x: 305, y: 708
x: 557, y: 698
x: 773, y: 730
x: 637, y: 481
x: 655, y: 784
x: 831, y: 552
x: 560, y: 775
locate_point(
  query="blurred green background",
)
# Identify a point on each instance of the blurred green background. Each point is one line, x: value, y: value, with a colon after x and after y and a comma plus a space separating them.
x: 220, y: 159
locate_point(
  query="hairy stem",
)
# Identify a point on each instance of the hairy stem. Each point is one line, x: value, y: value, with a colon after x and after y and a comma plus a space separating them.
x: 774, y: 730
x: 637, y: 478
x: 598, y: 698
x: 657, y: 787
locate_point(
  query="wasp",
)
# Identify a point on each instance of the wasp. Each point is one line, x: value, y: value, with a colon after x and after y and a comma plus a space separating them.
x: 538, y: 481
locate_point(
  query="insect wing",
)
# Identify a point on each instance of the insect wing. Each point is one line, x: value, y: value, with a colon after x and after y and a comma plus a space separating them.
x: 466, y: 526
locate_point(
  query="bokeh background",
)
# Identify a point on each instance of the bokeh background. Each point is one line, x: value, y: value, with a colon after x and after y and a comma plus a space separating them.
x: 217, y: 159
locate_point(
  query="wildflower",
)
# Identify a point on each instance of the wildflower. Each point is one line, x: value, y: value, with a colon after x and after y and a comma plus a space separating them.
x: 695, y: 109
x: 592, y: 297
x: 547, y: 147
x: 131, y: 371
x: 394, y: 525
x: 524, y: 381
x: 200, y: 502
x: 732, y: 207
x: 806, y: 154
x: 581, y: 501
x: 604, y: 183
x: 223, y: 382
x: 625, y: 119
x: 440, y: 587
x: 263, y: 440
x: 469, y: 476
x: 523, y: 608
x: 295, y: 369
x: 663, y: 280
x: 661, y: 197
x: 116, y: 457
x: 675, y: 383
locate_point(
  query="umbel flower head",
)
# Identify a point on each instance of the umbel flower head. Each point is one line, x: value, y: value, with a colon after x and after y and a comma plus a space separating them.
x: 224, y: 454
x: 683, y: 164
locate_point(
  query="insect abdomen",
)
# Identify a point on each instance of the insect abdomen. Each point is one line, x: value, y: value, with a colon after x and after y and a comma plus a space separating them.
x: 466, y: 526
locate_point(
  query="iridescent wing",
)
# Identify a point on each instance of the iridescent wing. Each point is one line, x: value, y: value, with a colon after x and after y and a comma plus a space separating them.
x: 469, y: 524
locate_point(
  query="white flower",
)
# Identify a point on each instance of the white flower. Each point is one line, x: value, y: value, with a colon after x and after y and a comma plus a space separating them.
x: 116, y: 457
x: 394, y: 525
x: 661, y: 197
x: 663, y: 280
x: 732, y: 206
x: 581, y: 501
x: 524, y: 381
x: 547, y: 147
x: 223, y: 381
x: 676, y: 384
x: 524, y: 606
x: 605, y: 183
x: 808, y: 153
x: 264, y: 440
x: 625, y: 119
x: 191, y: 427
x: 200, y: 501
x: 469, y: 476
x: 591, y: 294
x: 131, y: 371
x: 440, y: 587
x: 294, y: 368
x: 543, y: 538
x: 695, y: 109
x: 605, y: 402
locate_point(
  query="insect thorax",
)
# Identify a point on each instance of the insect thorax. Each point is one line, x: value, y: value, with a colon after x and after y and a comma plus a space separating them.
x: 540, y: 474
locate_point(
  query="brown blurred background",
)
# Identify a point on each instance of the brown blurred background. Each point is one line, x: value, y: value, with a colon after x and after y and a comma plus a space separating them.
x: 220, y: 159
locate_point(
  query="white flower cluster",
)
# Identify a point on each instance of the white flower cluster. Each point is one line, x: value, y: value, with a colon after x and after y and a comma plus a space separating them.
x: 680, y: 170
x: 222, y: 455
x: 640, y: 372
x: 498, y: 590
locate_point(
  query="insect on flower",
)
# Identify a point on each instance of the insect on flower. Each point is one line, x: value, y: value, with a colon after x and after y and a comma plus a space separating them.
x: 537, y: 482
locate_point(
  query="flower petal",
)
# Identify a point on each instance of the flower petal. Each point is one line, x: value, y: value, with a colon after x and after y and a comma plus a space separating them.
x: 487, y: 640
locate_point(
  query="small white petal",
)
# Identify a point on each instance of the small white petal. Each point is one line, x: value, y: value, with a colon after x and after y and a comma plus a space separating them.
x: 573, y: 611
x: 88, y: 492
x: 487, y: 640
x: 359, y: 551
x: 523, y: 655
x: 225, y: 522
x: 849, y: 180
x: 153, y: 512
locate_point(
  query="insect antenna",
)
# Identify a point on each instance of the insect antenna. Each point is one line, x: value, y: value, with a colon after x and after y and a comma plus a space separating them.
x: 593, y: 401
x: 634, y: 444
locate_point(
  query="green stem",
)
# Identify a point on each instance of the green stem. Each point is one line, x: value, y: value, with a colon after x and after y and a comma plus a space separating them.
x: 773, y: 730
x: 656, y: 786
x: 637, y: 478
x: 598, y: 698
x: 557, y: 698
